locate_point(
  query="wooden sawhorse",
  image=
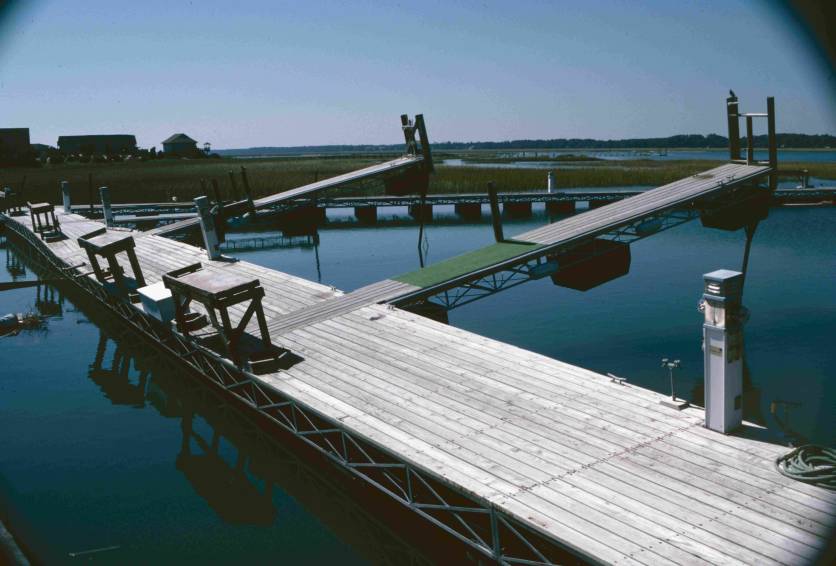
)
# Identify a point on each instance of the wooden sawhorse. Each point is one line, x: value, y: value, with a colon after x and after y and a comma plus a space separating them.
x: 107, y: 245
x: 217, y: 291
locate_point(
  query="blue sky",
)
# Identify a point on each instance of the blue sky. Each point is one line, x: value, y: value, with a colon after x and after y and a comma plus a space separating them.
x: 241, y: 74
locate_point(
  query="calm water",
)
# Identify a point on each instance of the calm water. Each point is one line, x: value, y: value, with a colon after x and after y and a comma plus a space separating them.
x: 105, y: 449
x: 819, y: 156
x: 92, y: 451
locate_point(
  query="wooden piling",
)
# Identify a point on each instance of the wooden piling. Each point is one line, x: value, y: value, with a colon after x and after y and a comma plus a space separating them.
x: 734, y: 127
x: 65, y: 196
x: 207, y: 227
x: 104, y: 194
x: 773, y: 147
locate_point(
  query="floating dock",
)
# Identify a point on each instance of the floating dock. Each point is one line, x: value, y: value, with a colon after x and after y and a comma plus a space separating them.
x: 523, y: 457
x: 562, y: 201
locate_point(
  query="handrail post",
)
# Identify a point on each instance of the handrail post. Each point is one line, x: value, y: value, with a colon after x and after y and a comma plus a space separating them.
x: 734, y: 127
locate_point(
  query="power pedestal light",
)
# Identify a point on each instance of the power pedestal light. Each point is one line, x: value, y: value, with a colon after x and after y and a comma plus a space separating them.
x: 723, y: 349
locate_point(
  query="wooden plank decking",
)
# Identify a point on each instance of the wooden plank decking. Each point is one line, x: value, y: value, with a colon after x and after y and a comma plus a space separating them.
x: 600, y: 467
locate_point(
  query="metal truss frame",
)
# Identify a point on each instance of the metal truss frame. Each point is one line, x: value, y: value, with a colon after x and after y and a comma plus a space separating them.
x: 473, y: 521
x: 458, y: 293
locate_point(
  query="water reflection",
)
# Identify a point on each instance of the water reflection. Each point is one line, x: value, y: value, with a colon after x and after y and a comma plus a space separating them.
x: 14, y: 264
x: 115, y: 380
x: 48, y: 301
x: 240, y: 471
x: 230, y: 489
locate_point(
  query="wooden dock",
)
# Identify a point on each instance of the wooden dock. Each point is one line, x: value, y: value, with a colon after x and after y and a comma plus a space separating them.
x: 521, y: 456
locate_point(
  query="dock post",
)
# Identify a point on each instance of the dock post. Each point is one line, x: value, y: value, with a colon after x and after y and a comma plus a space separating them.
x: 734, y: 127
x: 65, y: 195
x: 773, y: 144
x: 496, y: 217
x: 104, y: 195
x: 207, y: 227
x: 550, y: 182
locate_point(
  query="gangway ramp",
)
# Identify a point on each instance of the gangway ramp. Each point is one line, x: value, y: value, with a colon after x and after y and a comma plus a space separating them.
x: 393, y: 167
x: 684, y: 194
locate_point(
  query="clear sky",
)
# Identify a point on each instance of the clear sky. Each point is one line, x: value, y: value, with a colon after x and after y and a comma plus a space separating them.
x: 242, y: 74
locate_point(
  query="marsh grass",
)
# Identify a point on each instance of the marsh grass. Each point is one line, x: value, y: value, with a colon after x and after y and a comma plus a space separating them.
x: 157, y: 181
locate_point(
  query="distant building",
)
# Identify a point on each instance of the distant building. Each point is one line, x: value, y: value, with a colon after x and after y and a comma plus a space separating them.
x: 14, y: 140
x: 14, y: 147
x: 180, y: 144
x: 102, y: 144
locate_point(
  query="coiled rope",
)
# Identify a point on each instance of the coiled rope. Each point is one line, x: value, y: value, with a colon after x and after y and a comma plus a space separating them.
x: 811, y: 464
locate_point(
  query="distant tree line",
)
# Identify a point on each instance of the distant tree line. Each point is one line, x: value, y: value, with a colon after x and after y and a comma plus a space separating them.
x: 693, y: 141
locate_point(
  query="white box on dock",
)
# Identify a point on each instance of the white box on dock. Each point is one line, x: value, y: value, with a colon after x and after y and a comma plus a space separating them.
x: 157, y: 301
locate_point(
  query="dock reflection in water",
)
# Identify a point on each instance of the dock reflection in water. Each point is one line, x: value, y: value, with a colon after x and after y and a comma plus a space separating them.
x: 228, y: 461
x: 248, y: 479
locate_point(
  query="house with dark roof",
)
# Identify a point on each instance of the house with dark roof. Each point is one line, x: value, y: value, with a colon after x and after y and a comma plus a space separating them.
x: 108, y: 144
x: 180, y: 144
x: 14, y: 146
x: 14, y: 139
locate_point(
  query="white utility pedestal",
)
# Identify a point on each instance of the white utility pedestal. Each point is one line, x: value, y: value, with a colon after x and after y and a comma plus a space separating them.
x: 723, y: 350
